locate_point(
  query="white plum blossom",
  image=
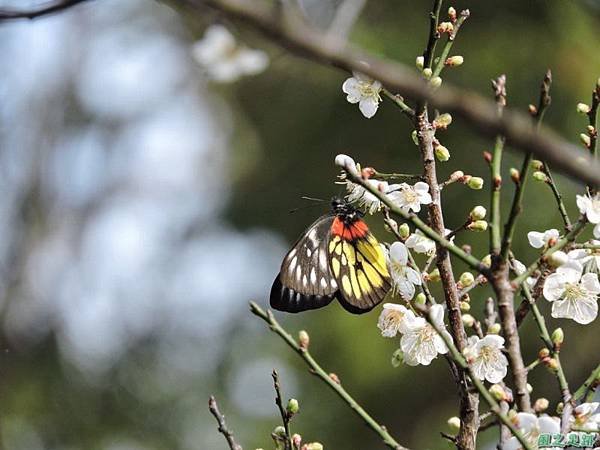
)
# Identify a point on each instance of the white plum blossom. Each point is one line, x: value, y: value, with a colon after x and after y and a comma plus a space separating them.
x: 422, y: 244
x: 410, y: 198
x: 590, y: 206
x: 486, y: 357
x: 531, y: 426
x: 223, y: 59
x: 539, y: 240
x: 573, y: 296
x: 589, y: 259
x: 365, y: 91
x: 420, y: 342
x: 404, y: 278
x: 584, y: 418
x: 363, y: 198
x: 391, y: 319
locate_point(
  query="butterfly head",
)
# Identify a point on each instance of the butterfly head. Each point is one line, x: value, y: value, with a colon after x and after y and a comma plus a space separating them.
x: 345, y: 211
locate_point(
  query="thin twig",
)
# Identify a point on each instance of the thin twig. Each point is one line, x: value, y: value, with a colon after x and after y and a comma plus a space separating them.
x: 499, y: 85
x: 316, y: 369
x: 464, y: 15
x: 516, y: 207
x: 223, y: 429
x: 396, y: 176
x: 399, y: 101
x: 285, y: 417
x: 478, y: 112
x: 555, y: 353
x: 589, y: 385
x: 51, y: 8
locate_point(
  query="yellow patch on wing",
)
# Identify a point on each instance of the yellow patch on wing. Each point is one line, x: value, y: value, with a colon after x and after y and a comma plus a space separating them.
x: 346, y: 285
x: 335, y: 266
x: 365, y: 286
x: 348, y: 250
x: 354, y: 282
x: 373, y: 254
x: 333, y: 243
x: 372, y: 275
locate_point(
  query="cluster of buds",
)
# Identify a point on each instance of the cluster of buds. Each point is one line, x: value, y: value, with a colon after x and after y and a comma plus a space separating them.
x: 458, y: 176
x: 545, y: 357
x: 445, y: 28
x: 427, y: 72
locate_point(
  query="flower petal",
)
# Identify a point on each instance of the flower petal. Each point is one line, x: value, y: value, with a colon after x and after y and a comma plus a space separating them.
x: 368, y: 106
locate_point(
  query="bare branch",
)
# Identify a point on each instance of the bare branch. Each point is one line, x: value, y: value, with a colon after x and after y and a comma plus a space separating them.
x: 223, y: 429
x: 51, y: 8
x: 477, y: 111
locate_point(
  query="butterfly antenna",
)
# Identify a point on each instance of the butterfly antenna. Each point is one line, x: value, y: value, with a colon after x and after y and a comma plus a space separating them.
x: 316, y: 201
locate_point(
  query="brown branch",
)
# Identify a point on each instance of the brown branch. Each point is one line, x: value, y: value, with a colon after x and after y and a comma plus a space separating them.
x: 51, y: 8
x: 285, y: 416
x: 477, y: 111
x: 469, y: 400
x: 223, y: 429
x: 505, y: 295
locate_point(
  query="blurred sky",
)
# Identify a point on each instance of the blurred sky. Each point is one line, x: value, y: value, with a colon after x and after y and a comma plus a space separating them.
x: 143, y: 207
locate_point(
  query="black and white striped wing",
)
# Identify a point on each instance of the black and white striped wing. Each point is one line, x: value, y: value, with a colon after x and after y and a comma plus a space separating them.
x: 305, y: 280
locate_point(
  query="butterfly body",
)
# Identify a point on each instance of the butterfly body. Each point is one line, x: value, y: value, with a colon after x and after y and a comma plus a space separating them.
x: 337, y: 257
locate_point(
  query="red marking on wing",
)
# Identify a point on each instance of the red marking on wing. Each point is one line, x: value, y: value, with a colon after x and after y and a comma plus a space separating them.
x: 356, y: 230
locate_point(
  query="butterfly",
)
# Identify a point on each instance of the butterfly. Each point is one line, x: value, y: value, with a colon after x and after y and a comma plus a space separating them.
x: 336, y: 257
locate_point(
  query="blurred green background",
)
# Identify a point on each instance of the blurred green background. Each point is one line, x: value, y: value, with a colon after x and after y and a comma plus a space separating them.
x: 145, y: 206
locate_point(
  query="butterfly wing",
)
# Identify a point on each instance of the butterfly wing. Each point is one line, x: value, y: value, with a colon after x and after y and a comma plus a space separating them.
x: 305, y: 280
x: 359, y: 266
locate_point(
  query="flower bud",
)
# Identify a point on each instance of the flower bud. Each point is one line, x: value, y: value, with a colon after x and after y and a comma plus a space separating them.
x: 279, y: 431
x: 494, y: 328
x: 541, y: 405
x: 478, y: 225
x: 454, y: 424
x: 487, y: 260
x: 543, y: 353
x: 465, y: 306
x: 585, y: 139
x: 478, y: 213
x: 335, y: 378
x: 313, y: 446
x: 296, y: 440
x: 497, y: 392
x: 293, y: 406
x: 420, y: 299
x: 466, y: 279
x: 435, y: 82
x: 454, y: 61
x: 475, y: 183
x: 441, y: 153
x: 456, y: 175
x: 303, y: 339
x: 346, y: 163
x: 583, y: 109
x: 558, y: 337
x: 404, y: 230
x: 420, y: 62
x: 414, y: 137
x: 532, y: 109
x: 445, y: 27
x: 515, y: 175
x: 540, y: 176
x: 442, y: 121
x: 427, y: 72
x: 452, y: 14
x: 559, y: 407
x: 557, y: 258
x: 591, y: 130
x: 536, y: 164
x: 529, y: 388
x: 468, y: 320
x: 552, y: 364
x: 434, y: 275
